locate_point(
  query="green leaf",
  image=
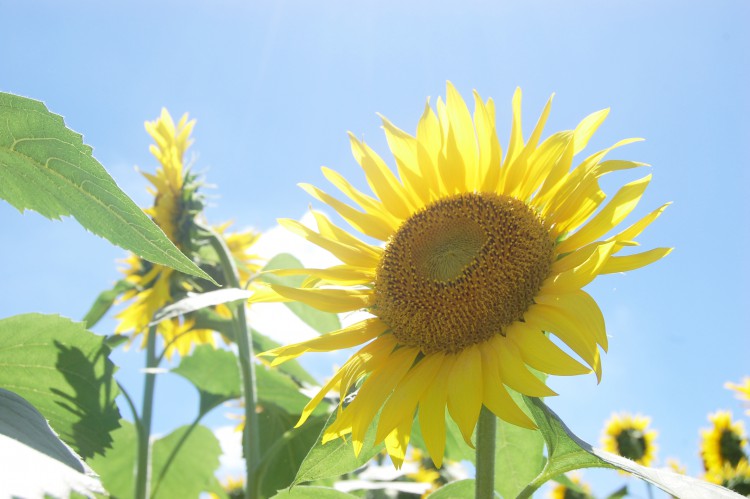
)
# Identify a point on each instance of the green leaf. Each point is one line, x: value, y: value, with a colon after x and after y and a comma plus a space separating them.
x: 64, y: 371
x: 116, y: 468
x: 282, y: 458
x: 619, y: 493
x: 567, y: 452
x: 322, y: 322
x: 214, y: 373
x: 35, y: 461
x: 519, y: 455
x: 192, y: 470
x: 312, y: 493
x: 277, y: 388
x: 104, y: 302
x: 261, y: 343
x: 199, y: 301
x: 462, y: 489
x: 337, y: 456
x: 47, y: 168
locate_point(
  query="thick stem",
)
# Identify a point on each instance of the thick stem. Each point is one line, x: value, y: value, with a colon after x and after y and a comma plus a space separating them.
x: 250, y: 436
x: 143, y: 469
x: 485, y: 478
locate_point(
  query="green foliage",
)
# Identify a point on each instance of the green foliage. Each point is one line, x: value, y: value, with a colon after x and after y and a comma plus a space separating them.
x: 462, y: 489
x: 183, y: 463
x: 279, y: 389
x: 322, y: 322
x: 261, y: 343
x: 29, y: 447
x: 566, y: 452
x: 64, y: 371
x: 312, y: 493
x: 337, y: 456
x: 214, y: 373
x: 104, y: 302
x: 47, y: 168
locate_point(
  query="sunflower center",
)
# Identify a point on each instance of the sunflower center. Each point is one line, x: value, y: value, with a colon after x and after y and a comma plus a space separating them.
x: 461, y: 270
x: 631, y: 443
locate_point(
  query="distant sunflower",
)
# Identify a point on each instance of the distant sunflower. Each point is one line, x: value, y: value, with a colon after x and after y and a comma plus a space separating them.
x: 736, y: 478
x: 482, y: 254
x: 176, y: 205
x: 560, y: 491
x: 723, y: 443
x: 743, y: 391
x: 629, y: 436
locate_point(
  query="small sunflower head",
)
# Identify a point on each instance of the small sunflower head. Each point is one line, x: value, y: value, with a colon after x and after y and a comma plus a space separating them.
x: 736, y: 478
x: 629, y: 436
x: 723, y: 443
x: 560, y: 491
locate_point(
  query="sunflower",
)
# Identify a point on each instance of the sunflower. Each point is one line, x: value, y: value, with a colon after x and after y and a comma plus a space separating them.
x: 742, y: 389
x: 482, y: 254
x: 176, y: 205
x: 723, y: 443
x: 736, y: 478
x: 629, y: 436
x: 562, y: 492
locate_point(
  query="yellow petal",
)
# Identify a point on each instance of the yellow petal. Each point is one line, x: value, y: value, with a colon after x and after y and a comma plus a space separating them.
x: 609, y: 217
x: 343, y: 275
x: 371, y: 224
x: 328, y: 229
x: 403, y: 402
x: 432, y: 411
x: 453, y: 172
x: 464, y: 400
x: 636, y: 261
x: 347, y: 254
x: 635, y: 230
x: 582, y: 274
x: 398, y: 440
x: 328, y: 300
x: 490, y: 152
x: 404, y: 149
x: 464, y: 135
x: 367, y: 203
x: 542, y: 354
x: 494, y: 395
x: 348, y: 337
x: 581, y: 307
x: 429, y: 145
x: 513, y: 371
x: 586, y: 129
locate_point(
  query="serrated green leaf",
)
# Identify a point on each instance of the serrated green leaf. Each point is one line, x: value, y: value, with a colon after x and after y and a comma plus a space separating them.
x: 192, y: 470
x: 35, y: 461
x: 567, y: 452
x: 322, y: 322
x: 214, y: 373
x: 283, y: 452
x: 104, y: 302
x: 64, y: 371
x: 47, y: 168
x: 199, y: 301
x: 116, y: 467
x: 261, y: 343
x: 276, y: 388
x: 312, y: 493
x: 337, y: 456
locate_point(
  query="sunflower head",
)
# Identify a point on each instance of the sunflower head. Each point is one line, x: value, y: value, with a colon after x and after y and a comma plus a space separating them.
x: 479, y: 273
x: 723, y: 443
x: 560, y: 491
x: 629, y: 436
x: 736, y: 478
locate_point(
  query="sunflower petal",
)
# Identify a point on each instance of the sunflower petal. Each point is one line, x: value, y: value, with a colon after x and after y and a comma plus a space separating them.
x: 490, y: 152
x: 583, y: 307
x: 404, y: 148
x: 432, y: 412
x: 494, y: 395
x: 636, y: 261
x: 513, y: 371
x: 328, y: 300
x: 582, y: 274
x: 464, y: 403
x: 347, y: 254
x: 462, y: 127
x: 541, y: 353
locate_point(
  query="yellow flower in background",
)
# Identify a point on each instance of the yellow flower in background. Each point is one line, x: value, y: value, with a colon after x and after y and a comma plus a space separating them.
x: 425, y: 473
x: 233, y: 487
x: 560, y: 491
x: 176, y: 204
x: 736, y: 478
x: 743, y: 391
x: 483, y: 252
x: 723, y: 443
x: 676, y: 466
x: 629, y: 436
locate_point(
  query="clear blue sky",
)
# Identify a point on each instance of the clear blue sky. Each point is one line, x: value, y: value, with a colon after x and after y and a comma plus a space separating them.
x: 275, y: 85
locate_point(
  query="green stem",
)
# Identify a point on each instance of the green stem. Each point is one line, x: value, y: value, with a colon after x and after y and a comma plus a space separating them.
x: 485, y: 478
x: 251, y: 436
x: 143, y: 468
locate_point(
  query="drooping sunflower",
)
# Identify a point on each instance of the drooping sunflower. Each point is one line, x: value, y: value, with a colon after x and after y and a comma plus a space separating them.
x: 483, y: 253
x: 629, y: 436
x: 176, y: 205
x: 723, y: 443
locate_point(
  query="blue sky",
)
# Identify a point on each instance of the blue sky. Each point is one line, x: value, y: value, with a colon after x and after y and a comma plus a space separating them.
x: 275, y: 85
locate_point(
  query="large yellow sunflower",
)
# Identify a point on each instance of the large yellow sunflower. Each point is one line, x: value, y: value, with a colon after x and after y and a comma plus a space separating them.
x: 176, y: 204
x: 629, y: 436
x: 723, y: 443
x: 483, y: 252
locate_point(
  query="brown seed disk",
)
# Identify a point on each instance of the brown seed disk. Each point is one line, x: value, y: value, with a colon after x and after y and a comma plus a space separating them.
x: 461, y: 270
